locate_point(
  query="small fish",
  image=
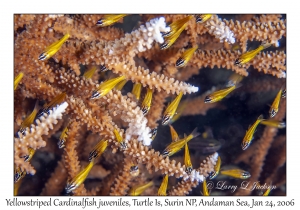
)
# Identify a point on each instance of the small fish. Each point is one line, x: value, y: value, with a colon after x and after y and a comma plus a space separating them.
x: 30, y: 154
x: 169, y: 41
x: 120, y: 85
x: 187, y: 159
x: 174, y: 134
x: 19, y: 174
x: 140, y: 189
x: 274, y: 123
x: 107, y: 20
x: 146, y: 104
x: 98, y: 150
x: 219, y: 95
x: 134, y: 170
x: 216, y: 169
x: 174, y: 147
x: 79, y: 178
x: 204, y: 188
x: 248, y: 56
x: 250, y: 132
x: 136, y: 90
x: 121, y: 141
x: 29, y: 119
x: 236, y: 173
x: 162, y: 191
x: 283, y: 95
x: 106, y: 86
x: 234, y: 79
x: 171, y: 109
x: 179, y: 111
x: 89, y: 73
x: 16, y: 187
x: 275, y: 105
x: 153, y: 133
x: 53, y: 48
x: 47, y: 107
x: 186, y: 56
x: 202, y: 18
x: 18, y: 79
x: 176, y: 26
x: 62, y: 138
x: 205, y: 146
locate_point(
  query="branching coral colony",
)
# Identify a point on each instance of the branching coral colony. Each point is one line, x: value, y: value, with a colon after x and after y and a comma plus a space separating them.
x: 94, y: 106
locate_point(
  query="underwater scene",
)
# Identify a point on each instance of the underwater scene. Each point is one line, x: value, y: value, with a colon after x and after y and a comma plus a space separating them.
x: 152, y: 104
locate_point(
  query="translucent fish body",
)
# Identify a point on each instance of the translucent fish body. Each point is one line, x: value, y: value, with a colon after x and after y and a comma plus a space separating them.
x: 106, y: 86
x: 98, y: 150
x: 187, y: 159
x: 250, y: 132
x: 275, y: 105
x: 79, y: 178
x: 136, y: 90
x: 236, y: 173
x: 140, y: 189
x: 162, y: 191
x: 217, y: 167
x: 175, y: 146
x: 248, y: 56
x: 146, y: 104
x: 202, y: 18
x: 171, y: 109
x: 186, y: 56
x: 53, y: 48
x: 121, y: 141
x: 109, y: 20
x: 219, y: 95
x: 18, y: 79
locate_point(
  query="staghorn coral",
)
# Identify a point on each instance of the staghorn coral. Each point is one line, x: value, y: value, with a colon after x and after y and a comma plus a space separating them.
x: 137, y: 56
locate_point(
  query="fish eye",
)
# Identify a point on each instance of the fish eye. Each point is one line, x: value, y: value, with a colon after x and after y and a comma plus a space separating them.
x: 103, y: 68
x: 26, y: 157
x: 237, y: 62
x: 273, y: 113
x: 179, y: 62
x: 198, y: 19
x: 123, y: 145
x: 95, y: 94
x: 165, y: 153
x: 166, y: 120
x: 69, y: 188
x: 100, y: 22
x: 207, y: 99
x: 188, y: 170
x: 245, y: 145
x: 17, y: 176
x: 145, y: 110
x: 153, y: 133
x: 163, y: 45
x: 246, y: 174
x: 42, y: 56
x: 92, y: 155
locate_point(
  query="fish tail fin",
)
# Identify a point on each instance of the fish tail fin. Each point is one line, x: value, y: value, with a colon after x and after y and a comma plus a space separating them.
x: 238, y: 85
x: 261, y: 117
x: 194, y: 134
x: 266, y: 45
x: 36, y: 106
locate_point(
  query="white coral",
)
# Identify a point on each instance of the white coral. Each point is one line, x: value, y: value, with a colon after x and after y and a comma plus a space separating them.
x: 220, y: 30
x: 150, y: 32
